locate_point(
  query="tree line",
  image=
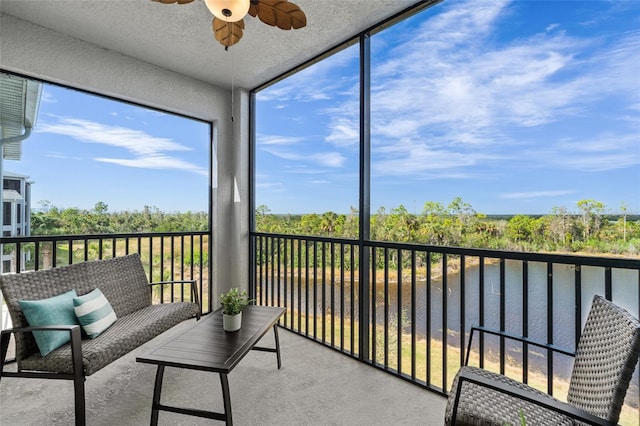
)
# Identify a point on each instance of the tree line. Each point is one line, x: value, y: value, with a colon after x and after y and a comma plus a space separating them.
x: 50, y: 220
x: 587, y: 229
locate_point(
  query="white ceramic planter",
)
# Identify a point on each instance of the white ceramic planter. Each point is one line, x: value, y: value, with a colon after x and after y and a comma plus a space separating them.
x: 231, y: 322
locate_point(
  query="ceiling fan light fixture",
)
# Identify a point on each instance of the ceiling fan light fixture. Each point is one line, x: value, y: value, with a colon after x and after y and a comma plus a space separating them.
x: 228, y: 23
x: 228, y: 10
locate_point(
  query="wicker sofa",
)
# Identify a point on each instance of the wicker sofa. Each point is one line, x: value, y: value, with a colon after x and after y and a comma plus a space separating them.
x: 124, y: 283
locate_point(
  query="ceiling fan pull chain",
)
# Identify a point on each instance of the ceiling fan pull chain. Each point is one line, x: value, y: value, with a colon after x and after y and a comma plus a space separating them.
x: 232, y: 84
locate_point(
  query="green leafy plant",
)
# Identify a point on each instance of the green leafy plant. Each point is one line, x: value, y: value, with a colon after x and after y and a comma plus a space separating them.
x: 523, y: 420
x: 234, y: 301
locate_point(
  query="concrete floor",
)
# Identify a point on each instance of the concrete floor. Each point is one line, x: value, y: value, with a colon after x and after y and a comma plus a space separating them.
x: 316, y: 386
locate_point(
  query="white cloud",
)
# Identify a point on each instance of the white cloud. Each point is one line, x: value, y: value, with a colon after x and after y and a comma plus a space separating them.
x: 134, y: 141
x: 158, y: 162
x: 304, y: 170
x: 535, y: 194
x: 453, y: 94
x: 416, y: 159
x: 62, y: 156
x: 317, y: 82
x: 344, y: 132
x: 455, y: 85
x: 325, y: 159
x: 597, y: 153
x: 148, y: 151
x: 272, y: 186
x: 552, y: 27
x: 277, y: 140
x: 47, y: 97
x: 328, y: 159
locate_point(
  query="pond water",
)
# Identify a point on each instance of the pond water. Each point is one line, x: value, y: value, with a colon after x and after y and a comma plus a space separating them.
x: 563, y: 293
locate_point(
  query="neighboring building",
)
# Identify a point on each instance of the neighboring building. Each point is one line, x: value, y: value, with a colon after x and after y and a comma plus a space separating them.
x: 17, y: 205
x: 16, y: 220
x: 19, y: 104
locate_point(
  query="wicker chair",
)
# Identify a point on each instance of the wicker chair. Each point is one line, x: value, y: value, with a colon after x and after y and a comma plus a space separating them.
x: 605, y: 359
x: 124, y: 282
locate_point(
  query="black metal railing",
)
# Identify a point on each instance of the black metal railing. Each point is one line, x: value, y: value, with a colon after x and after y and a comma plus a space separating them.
x: 415, y: 304
x: 165, y: 256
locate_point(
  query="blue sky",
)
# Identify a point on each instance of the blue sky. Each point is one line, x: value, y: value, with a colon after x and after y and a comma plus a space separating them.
x: 85, y: 149
x: 515, y: 106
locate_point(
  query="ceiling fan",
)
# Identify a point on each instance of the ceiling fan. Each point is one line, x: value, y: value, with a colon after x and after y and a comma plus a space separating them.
x: 228, y: 15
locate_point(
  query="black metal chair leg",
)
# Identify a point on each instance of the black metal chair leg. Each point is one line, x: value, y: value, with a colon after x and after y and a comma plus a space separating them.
x: 275, y: 332
x: 78, y: 376
x: 226, y: 397
x: 78, y: 391
x: 157, y: 390
x: 4, y: 348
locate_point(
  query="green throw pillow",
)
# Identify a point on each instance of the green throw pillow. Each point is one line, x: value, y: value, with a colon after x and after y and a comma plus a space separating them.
x: 57, y: 310
x: 94, y: 313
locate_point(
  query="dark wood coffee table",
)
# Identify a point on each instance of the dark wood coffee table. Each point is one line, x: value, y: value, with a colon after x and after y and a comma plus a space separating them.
x: 207, y: 347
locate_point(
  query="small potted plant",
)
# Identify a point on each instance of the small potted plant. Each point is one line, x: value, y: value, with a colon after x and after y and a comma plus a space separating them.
x: 233, y: 302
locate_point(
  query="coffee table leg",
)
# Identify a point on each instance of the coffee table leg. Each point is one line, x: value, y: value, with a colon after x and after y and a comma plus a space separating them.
x: 275, y: 333
x: 226, y: 397
x: 157, y: 389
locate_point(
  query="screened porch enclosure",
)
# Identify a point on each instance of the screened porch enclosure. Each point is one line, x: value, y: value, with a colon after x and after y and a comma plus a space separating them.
x: 363, y: 311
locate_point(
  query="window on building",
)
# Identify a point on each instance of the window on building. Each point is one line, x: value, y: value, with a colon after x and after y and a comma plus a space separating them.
x: 6, y: 213
x: 12, y: 184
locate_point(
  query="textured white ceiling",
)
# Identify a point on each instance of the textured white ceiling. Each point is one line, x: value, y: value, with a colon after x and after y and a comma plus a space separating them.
x: 179, y: 37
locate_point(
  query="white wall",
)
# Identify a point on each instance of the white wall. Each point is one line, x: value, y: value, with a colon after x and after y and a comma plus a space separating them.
x: 38, y: 52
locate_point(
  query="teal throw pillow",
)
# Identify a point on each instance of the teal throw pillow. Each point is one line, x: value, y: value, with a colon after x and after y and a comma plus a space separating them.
x: 57, y: 310
x: 94, y: 313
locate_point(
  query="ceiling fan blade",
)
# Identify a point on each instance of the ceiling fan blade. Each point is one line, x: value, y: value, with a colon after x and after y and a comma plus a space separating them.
x: 173, y: 1
x: 279, y: 13
x: 227, y: 33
